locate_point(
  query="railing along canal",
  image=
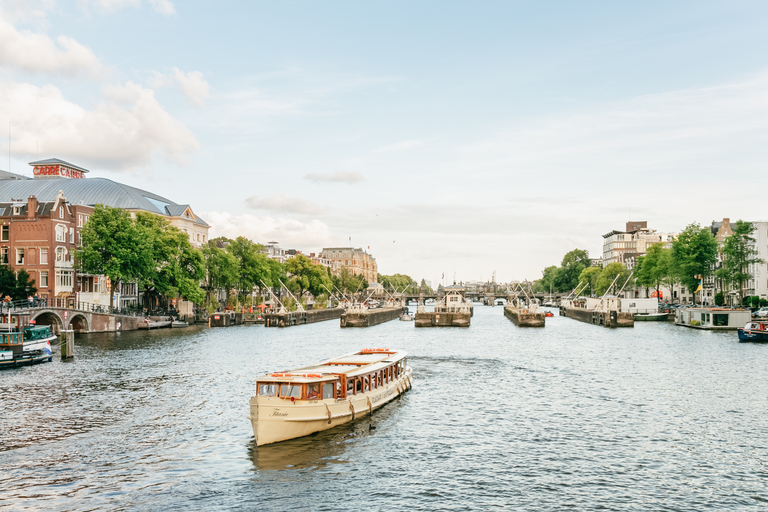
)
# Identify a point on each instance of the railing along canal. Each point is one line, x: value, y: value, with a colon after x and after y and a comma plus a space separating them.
x: 24, y: 305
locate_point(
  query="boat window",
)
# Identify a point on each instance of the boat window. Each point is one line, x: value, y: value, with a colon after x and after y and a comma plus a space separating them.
x: 290, y: 390
x: 373, y: 381
x: 720, y: 320
x: 381, y: 378
x: 367, y: 382
x: 267, y: 389
x: 358, y: 386
x: 350, y: 387
x: 327, y: 390
x: 313, y: 391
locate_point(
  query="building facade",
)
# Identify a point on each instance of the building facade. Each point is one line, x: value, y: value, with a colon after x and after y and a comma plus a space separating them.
x: 355, y: 260
x: 626, y: 246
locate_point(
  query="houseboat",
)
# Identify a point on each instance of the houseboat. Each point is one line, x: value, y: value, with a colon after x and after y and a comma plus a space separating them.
x: 296, y: 403
x: 712, y: 318
x: 453, y: 310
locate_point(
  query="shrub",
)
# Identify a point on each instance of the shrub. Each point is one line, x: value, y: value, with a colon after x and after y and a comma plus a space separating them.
x: 719, y: 299
x: 695, y: 323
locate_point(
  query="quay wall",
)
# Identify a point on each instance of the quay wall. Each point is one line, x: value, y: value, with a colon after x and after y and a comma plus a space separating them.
x: 301, y: 317
x: 442, y: 319
x: 225, y: 319
x: 604, y: 318
x: 370, y: 317
x: 524, y: 319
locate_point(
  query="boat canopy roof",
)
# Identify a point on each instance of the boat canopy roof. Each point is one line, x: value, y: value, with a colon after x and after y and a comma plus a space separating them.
x: 357, y: 363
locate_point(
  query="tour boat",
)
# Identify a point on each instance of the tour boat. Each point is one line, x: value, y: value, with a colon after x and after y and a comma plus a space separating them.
x: 300, y: 402
x: 37, y: 337
x: 754, y: 331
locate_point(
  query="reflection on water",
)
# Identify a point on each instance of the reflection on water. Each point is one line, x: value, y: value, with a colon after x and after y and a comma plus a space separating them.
x: 569, y: 416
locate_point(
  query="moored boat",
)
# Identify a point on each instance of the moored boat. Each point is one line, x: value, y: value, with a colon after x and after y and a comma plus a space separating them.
x: 300, y: 402
x: 14, y: 351
x: 756, y: 332
x: 37, y: 337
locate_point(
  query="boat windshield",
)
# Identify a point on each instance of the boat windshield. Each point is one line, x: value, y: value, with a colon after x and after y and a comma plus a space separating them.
x: 313, y: 391
x: 267, y: 389
x: 327, y: 390
x: 290, y: 390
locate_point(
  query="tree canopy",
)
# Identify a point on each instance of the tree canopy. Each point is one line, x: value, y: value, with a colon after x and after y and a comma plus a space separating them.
x: 694, y: 254
x: 738, y: 253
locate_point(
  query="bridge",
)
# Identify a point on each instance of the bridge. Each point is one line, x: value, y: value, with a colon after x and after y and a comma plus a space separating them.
x: 69, y: 314
x: 483, y: 296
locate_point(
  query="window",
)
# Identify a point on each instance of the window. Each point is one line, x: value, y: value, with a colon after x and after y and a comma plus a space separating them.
x: 44, y: 256
x: 64, y: 278
x: 19, y: 256
x: 267, y: 389
x: 71, y: 235
x: 61, y: 233
x: 80, y: 220
x: 313, y: 391
x: 61, y: 212
x: 4, y: 255
x: 16, y: 210
x: 6, y: 234
x: 327, y: 390
x: 290, y: 390
x: 61, y: 254
x: 720, y: 320
x: 44, y: 279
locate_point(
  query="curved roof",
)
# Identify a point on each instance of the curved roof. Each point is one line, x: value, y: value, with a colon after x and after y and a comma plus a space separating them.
x: 90, y: 191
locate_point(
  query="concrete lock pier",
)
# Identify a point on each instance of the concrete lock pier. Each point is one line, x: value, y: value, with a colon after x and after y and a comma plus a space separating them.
x: 441, y: 319
x: 524, y: 317
x: 611, y: 318
x: 301, y: 317
x: 370, y: 317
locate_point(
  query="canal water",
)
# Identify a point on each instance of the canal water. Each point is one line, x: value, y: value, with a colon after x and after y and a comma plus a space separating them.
x: 572, y: 416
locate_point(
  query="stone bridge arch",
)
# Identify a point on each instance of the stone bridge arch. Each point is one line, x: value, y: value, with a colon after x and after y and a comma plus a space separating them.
x: 49, y: 318
x: 78, y: 323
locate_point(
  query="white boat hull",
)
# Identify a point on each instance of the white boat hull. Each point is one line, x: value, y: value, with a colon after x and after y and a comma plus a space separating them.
x: 274, y: 419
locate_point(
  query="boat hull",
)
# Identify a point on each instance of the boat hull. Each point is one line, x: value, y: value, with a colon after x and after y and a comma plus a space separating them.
x: 274, y: 420
x: 753, y: 336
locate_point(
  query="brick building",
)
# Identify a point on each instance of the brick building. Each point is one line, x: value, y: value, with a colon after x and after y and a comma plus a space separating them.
x: 357, y: 261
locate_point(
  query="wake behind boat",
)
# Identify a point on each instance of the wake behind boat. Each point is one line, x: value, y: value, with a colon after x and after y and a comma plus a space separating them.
x: 300, y: 402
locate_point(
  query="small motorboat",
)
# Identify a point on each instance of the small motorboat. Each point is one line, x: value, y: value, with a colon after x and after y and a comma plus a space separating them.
x: 549, y: 314
x: 756, y: 332
x: 406, y: 317
x: 179, y: 323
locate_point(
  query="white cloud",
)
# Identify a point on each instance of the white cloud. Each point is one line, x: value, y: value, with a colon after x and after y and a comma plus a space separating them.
x: 399, y: 146
x: 290, y: 233
x: 192, y: 84
x: 339, y: 177
x: 35, y: 52
x: 283, y: 203
x: 162, y: 6
x: 124, y: 130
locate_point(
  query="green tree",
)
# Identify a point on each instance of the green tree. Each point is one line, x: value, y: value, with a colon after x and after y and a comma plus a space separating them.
x: 590, y: 275
x: 573, y: 263
x: 177, y: 267
x: 307, y: 276
x: 694, y: 254
x: 547, y: 282
x: 738, y: 253
x: 253, y: 265
x: 221, y: 268
x: 113, y: 245
x: 398, y: 283
x: 608, y: 278
x: 653, y: 268
x: 15, y: 285
x: 348, y: 282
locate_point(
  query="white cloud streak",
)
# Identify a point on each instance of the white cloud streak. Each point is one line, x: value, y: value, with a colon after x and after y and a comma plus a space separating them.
x: 283, y: 203
x: 191, y: 83
x: 34, y: 52
x: 162, y: 6
x: 339, y: 177
x: 290, y: 233
x: 126, y: 129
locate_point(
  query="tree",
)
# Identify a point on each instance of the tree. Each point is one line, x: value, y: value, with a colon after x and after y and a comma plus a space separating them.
x: 738, y: 253
x: 307, y: 275
x: 590, y: 275
x: 608, y: 278
x: 398, y: 283
x: 113, y: 245
x: 221, y: 269
x: 547, y: 282
x: 653, y: 268
x: 15, y: 285
x: 177, y: 267
x: 573, y: 263
x: 253, y: 265
x: 694, y: 254
x: 348, y: 282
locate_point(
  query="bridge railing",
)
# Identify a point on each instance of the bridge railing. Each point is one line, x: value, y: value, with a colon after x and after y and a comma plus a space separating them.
x: 20, y: 306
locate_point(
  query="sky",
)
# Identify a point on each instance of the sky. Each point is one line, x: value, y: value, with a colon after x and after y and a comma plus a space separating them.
x: 451, y: 140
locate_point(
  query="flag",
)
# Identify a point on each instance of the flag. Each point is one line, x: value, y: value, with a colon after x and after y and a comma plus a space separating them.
x: 701, y: 281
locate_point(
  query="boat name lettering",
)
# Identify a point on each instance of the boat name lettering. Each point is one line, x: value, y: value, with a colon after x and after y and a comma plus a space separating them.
x: 378, y: 398
x: 277, y: 412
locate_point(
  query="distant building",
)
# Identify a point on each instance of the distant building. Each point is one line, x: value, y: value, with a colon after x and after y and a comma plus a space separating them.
x: 758, y: 283
x: 626, y: 246
x: 275, y: 252
x: 356, y: 261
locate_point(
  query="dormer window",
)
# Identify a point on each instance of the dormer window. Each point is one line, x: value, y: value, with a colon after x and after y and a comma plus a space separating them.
x: 61, y: 212
x: 16, y: 210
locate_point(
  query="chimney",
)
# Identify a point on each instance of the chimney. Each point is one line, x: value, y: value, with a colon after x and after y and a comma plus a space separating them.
x: 31, y: 207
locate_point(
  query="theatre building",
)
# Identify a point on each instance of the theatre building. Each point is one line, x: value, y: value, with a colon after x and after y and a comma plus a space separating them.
x: 42, y: 218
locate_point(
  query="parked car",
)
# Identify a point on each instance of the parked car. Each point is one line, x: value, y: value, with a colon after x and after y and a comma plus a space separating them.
x: 760, y: 313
